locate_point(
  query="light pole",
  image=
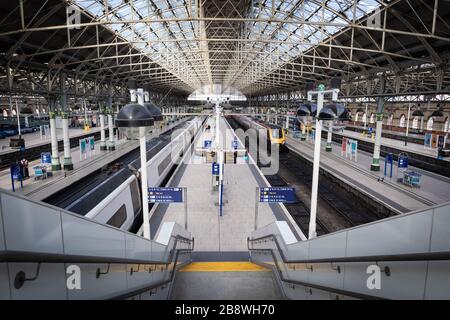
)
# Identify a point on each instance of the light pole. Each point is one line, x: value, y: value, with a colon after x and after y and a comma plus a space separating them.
x: 18, y: 120
x: 136, y: 121
x: 316, y: 163
x: 102, y: 129
x: 219, y: 155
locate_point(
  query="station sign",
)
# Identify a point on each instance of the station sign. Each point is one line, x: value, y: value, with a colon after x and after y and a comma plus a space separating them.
x: 165, y: 195
x: 215, y: 169
x: 403, y: 162
x: 235, y: 144
x: 207, y: 144
x: 46, y: 157
x: 389, y: 158
x: 277, y: 194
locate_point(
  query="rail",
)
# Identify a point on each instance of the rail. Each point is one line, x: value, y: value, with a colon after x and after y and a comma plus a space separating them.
x: 434, y: 256
x: 37, y: 257
x: 405, y: 191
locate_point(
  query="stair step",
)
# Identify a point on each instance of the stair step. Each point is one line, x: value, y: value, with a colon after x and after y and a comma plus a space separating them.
x: 224, y: 266
x: 225, y: 285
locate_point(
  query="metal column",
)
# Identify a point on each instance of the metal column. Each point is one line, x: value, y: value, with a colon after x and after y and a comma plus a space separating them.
x: 377, y: 146
x: 67, y: 163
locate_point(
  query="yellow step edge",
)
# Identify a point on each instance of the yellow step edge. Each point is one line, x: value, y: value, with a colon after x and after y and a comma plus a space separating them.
x: 228, y: 266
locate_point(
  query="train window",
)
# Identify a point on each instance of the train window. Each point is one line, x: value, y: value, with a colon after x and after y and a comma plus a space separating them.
x: 118, y: 218
x: 276, y: 133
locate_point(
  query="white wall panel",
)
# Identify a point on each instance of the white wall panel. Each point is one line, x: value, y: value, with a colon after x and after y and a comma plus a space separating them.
x: 31, y: 227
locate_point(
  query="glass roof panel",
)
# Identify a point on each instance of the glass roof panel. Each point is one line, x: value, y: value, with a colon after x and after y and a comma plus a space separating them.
x: 261, y: 37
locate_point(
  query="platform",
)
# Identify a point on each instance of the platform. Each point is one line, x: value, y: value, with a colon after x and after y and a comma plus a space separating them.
x: 34, y: 139
x: 391, y: 195
x: 432, y: 186
x: 397, y: 144
x: 211, y: 232
x: 41, y: 189
x: 413, y: 136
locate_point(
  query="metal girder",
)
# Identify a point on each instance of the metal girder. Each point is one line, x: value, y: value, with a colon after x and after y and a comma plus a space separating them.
x: 255, y: 46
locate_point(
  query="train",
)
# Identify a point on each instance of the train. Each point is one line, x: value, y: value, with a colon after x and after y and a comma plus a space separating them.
x: 275, y: 134
x: 115, y: 198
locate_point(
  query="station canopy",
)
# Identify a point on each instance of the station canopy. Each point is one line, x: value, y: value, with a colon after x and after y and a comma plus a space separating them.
x: 253, y: 46
x: 227, y: 49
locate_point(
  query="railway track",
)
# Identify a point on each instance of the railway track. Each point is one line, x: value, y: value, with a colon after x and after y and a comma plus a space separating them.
x: 300, y: 211
x: 303, y: 174
x: 71, y: 193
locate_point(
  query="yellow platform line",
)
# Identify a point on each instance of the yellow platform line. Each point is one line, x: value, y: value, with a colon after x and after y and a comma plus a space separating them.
x: 228, y: 266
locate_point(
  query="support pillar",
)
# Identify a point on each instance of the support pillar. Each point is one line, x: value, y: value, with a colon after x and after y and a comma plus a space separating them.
x: 68, y: 164
x: 111, y: 142
x: 102, y: 132
x: 377, y: 146
x: 56, y: 164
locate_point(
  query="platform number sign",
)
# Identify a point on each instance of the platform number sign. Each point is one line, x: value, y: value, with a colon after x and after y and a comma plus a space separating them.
x: 389, y: 157
x: 165, y: 195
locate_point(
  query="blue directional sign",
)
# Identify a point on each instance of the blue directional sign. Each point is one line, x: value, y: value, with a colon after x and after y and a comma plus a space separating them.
x: 403, y: 162
x: 389, y: 157
x: 215, y: 169
x: 235, y: 144
x: 46, y: 157
x: 277, y: 194
x: 165, y: 195
x: 207, y: 144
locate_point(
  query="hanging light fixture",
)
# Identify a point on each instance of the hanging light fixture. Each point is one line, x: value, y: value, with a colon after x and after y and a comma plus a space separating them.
x: 334, y: 111
x: 132, y: 117
x: 438, y: 113
x: 305, y: 112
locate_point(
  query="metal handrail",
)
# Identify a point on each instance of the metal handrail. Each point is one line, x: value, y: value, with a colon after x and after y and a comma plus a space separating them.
x: 40, y: 257
x: 404, y: 257
x: 428, y: 256
x: 33, y: 257
x: 155, y: 285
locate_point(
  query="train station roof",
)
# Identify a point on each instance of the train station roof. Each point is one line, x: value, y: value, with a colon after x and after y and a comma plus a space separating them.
x: 257, y: 47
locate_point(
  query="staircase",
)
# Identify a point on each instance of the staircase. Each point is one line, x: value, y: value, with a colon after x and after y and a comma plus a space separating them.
x: 226, y: 280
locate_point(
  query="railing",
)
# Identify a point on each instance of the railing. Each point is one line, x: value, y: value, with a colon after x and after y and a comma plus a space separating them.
x: 402, y: 257
x: 39, y: 258
x: 41, y: 245
x: 438, y: 256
